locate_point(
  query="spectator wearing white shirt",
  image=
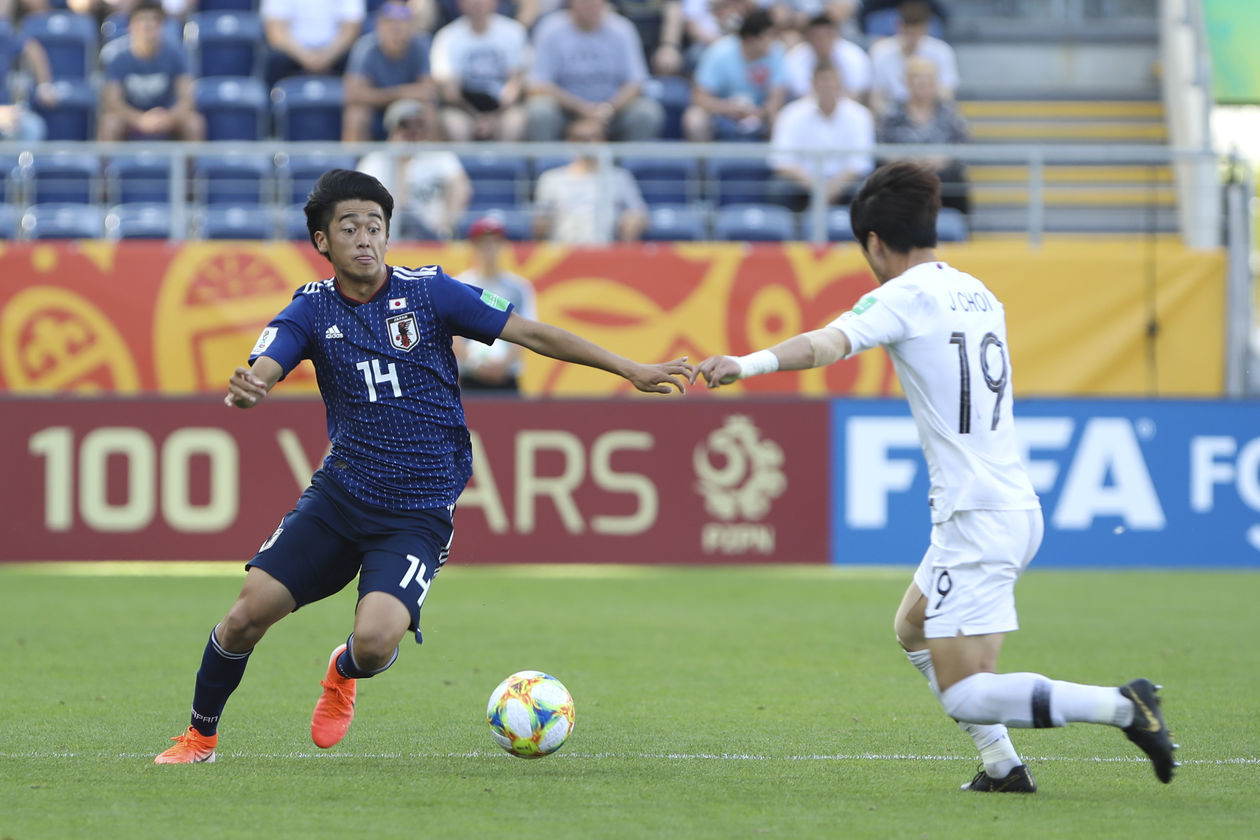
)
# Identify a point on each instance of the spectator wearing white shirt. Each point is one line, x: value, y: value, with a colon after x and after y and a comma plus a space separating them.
x: 309, y: 36
x: 824, y: 44
x: 571, y: 201
x: 889, y: 56
x: 479, y: 61
x: 826, y: 120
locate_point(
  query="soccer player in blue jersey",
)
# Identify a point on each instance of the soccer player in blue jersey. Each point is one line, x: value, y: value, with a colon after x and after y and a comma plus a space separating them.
x: 380, y: 508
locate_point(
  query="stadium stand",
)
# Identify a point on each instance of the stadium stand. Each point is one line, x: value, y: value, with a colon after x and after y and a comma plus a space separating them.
x: 299, y: 171
x: 69, y: 39
x: 74, y: 115
x: 677, y: 223
x: 9, y: 219
x: 62, y: 178
x: 224, y: 43
x: 665, y: 180
x: 497, y: 180
x: 754, y: 223
x: 138, y: 177
x: 144, y: 220
x: 307, y: 108
x: 233, y: 178
x: 235, y: 107
x: 63, y: 221
x: 518, y: 224
x: 739, y: 181
x: 236, y: 222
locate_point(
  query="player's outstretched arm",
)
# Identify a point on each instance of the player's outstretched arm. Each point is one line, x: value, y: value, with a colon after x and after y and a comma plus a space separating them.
x: 557, y: 343
x: 249, y: 385
x: 807, y: 350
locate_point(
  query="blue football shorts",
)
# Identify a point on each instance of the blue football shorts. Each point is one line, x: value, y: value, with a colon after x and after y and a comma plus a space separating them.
x: 330, y: 537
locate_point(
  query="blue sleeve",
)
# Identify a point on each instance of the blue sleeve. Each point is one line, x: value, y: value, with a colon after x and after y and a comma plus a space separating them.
x: 116, y: 68
x: 709, y: 71
x: 287, y: 338
x: 468, y: 310
x: 421, y: 46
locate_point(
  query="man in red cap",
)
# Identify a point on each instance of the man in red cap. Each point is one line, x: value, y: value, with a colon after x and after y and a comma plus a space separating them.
x: 494, y: 367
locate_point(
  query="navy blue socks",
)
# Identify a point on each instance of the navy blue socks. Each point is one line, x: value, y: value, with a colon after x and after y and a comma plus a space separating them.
x: 220, y: 674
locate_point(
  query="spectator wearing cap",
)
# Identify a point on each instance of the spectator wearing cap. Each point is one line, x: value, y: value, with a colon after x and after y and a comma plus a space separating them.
x: 148, y: 91
x: 574, y: 204
x: 387, y: 64
x: 588, y: 64
x: 479, y: 64
x: 309, y: 36
x: 497, y: 366
x: 739, y: 85
x: 17, y: 122
x: 825, y: 120
x: 889, y: 56
x: 430, y: 188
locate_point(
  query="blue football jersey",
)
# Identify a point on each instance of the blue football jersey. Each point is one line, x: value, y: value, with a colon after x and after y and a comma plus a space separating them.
x: 389, y: 380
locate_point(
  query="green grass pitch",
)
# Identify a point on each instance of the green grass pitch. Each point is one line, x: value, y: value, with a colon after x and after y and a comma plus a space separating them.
x: 711, y: 703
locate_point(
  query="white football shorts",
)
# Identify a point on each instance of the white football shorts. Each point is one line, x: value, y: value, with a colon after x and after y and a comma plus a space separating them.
x: 968, y: 573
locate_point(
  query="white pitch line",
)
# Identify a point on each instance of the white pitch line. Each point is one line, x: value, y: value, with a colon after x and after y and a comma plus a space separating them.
x: 1244, y: 760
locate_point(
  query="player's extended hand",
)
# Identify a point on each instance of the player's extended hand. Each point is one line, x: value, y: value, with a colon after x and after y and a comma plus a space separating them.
x: 244, y: 389
x: 657, y: 379
x: 717, y: 370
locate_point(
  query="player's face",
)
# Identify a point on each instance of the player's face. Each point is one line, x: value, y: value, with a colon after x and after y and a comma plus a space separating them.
x: 356, y: 241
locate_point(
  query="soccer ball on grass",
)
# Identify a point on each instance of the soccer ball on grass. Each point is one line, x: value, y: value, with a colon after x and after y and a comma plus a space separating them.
x: 530, y: 714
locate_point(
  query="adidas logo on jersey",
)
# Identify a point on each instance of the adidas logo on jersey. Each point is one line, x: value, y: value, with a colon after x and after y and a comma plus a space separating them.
x: 333, y: 332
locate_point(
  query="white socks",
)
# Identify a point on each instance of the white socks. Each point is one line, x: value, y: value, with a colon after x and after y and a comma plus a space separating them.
x: 996, y: 750
x: 1026, y: 701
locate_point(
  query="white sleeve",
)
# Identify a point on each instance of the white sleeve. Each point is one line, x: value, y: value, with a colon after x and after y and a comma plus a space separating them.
x: 885, y: 316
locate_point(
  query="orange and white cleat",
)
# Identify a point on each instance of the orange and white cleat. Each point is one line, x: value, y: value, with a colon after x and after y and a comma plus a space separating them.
x: 335, y: 708
x: 191, y: 747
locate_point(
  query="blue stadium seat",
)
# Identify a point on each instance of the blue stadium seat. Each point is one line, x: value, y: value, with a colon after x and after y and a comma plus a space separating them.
x: 674, y: 94
x: 115, y: 26
x: 10, y: 180
x: 754, y: 223
x: 224, y: 43
x: 74, y: 115
x: 235, y: 107
x: 951, y: 225
x: 293, y: 225
x: 838, y: 227
x: 883, y: 22
x: 138, y: 177
x: 497, y: 180
x: 665, y: 180
x: 307, y: 108
x: 299, y: 172
x: 9, y: 221
x: 228, y: 5
x: 236, y: 222
x: 63, y: 178
x: 677, y: 223
x: 232, y: 178
x: 69, y: 39
x: 739, y: 181
x: 63, y: 221
x: 518, y: 222
x: 545, y: 162
x: 143, y: 220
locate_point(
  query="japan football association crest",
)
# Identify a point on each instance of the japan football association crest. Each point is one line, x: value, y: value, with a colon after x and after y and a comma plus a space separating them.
x: 403, y: 331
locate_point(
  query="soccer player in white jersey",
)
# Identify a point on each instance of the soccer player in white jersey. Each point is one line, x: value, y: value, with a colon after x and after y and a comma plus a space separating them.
x: 946, y: 334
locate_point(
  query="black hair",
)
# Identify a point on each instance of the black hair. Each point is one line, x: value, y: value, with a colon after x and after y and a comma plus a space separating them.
x: 337, y: 185
x: 153, y: 6
x: 756, y: 24
x: 899, y: 202
x: 821, y: 19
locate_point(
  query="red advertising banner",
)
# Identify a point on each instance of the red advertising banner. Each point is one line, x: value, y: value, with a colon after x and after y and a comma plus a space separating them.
x: 584, y: 481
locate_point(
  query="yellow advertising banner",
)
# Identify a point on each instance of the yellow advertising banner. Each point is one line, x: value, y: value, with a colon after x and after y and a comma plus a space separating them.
x: 1126, y: 317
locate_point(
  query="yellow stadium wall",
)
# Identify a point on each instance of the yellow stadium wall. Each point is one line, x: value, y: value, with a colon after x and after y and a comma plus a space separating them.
x: 97, y: 317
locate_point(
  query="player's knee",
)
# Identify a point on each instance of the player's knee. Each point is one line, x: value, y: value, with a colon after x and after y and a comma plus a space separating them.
x: 965, y: 700
x: 241, y: 628
x: 374, y: 650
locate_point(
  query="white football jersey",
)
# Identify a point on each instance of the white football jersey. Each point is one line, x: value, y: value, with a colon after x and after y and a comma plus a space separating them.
x: 946, y: 334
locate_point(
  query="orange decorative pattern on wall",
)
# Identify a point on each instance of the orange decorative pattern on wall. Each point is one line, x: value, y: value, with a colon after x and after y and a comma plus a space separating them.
x: 97, y: 317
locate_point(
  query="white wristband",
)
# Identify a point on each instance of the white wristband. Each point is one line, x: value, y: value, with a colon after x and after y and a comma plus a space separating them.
x: 755, y: 364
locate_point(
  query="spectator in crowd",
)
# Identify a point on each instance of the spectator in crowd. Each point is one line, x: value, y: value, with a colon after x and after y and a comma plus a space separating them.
x: 588, y: 64
x: 494, y: 367
x: 793, y: 17
x: 660, y: 27
x: 17, y: 121
x: 705, y: 21
x: 826, y: 120
x: 739, y: 85
x: 574, y: 205
x: 309, y: 36
x: 823, y: 44
x: 925, y: 118
x: 430, y: 188
x: 889, y: 56
x: 148, y: 90
x: 937, y: 8
x: 387, y: 64
x: 479, y: 64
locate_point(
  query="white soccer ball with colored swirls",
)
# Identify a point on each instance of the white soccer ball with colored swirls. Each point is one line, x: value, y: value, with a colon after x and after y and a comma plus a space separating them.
x: 530, y: 714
